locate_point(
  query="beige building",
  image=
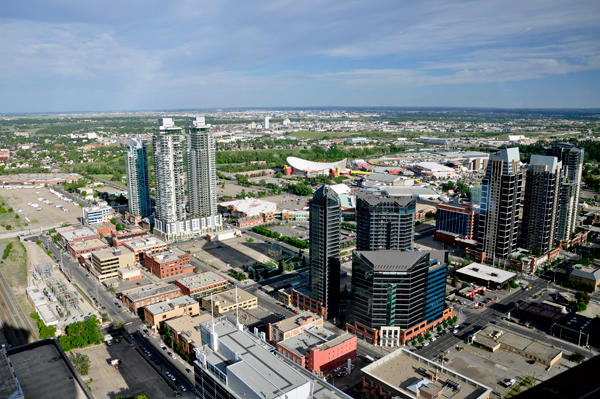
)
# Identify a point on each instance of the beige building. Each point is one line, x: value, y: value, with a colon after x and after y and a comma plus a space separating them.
x: 107, y: 262
x: 493, y: 339
x: 293, y: 326
x: 226, y: 301
x: 156, y: 314
x: 129, y: 273
x: 185, y: 330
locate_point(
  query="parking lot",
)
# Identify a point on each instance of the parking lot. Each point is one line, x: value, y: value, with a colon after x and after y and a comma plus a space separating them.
x: 134, y: 375
x: 49, y: 215
x: 229, y: 254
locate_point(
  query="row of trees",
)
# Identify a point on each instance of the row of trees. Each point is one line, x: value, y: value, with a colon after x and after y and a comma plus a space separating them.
x: 44, y: 331
x: 295, y: 242
x: 266, y: 232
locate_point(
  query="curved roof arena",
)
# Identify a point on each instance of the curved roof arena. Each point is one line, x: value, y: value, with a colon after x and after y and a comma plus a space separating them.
x: 310, y: 166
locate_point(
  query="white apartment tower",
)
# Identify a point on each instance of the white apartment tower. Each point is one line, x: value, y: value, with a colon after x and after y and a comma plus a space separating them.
x: 267, y: 121
x: 169, y: 175
x: 202, y: 174
x: 171, y: 222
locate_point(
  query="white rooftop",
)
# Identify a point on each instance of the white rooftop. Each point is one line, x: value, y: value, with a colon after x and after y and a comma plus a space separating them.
x: 484, y: 272
x: 434, y: 167
x: 251, y: 205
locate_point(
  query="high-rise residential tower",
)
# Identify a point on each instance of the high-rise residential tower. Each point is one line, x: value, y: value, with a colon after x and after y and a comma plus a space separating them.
x: 500, y: 207
x: 171, y: 222
x: 384, y: 223
x: 571, y: 157
x: 169, y: 178
x: 201, y: 170
x: 541, y: 200
x: 325, y: 224
x: 138, y: 179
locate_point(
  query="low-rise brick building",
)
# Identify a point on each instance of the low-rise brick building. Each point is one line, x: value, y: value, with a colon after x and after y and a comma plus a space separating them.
x: 319, y: 350
x: 185, y: 330
x: 151, y: 245
x: 79, y: 248
x: 292, y: 326
x: 202, y: 284
x: 134, y: 233
x: 168, y: 264
x: 138, y: 297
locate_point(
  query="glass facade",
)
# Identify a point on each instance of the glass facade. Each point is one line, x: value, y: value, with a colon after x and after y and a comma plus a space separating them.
x: 389, y: 297
x: 457, y: 221
x: 384, y: 223
x: 138, y: 178
x: 436, y: 290
x: 324, y: 252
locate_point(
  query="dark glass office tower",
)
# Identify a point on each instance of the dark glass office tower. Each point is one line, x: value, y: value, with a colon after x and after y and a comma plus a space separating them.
x: 571, y: 157
x: 384, y: 223
x: 138, y: 178
x: 540, y: 207
x: 500, y: 206
x: 397, y: 289
x: 325, y: 223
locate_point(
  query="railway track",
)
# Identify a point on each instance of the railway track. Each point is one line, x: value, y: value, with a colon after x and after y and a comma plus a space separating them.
x: 15, y: 324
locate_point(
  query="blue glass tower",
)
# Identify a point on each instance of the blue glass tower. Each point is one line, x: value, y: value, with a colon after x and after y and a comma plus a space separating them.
x: 138, y: 178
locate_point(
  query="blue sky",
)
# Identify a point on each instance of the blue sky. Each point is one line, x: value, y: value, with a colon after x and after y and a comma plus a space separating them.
x: 65, y: 55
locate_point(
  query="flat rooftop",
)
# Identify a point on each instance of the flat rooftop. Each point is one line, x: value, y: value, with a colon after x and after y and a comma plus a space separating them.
x: 487, y: 273
x: 525, y: 344
x: 201, y: 280
x: 259, y: 367
x: 79, y: 233
x: 113, y: 252
x: 140, y: 293
x: 143, y: 243
x: 228, y: 297
x: 188, y: 327
x: 295, y: 321
x: 401, y: 369
x: 410, y: 191
x: 8, y: 383
x: 87, y: 244
x: 167, y: 306
x: 547, y: 311
x: 167, y: 256
x: 315, y: 337
x: 251, y: 206
x: 42, y: 377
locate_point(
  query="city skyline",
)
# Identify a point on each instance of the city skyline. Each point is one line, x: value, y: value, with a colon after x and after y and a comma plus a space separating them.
x: 77, y: 57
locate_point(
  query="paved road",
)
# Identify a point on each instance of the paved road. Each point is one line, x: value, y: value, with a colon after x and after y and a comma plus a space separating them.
x: 73, y: 197
x: 495, y: 312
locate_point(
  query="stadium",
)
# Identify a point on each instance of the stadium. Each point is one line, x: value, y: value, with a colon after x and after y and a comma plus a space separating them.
x: 302, y: 167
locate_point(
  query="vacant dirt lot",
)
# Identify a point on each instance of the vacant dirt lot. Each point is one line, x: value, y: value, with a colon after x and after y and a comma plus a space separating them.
x: 48, y: 216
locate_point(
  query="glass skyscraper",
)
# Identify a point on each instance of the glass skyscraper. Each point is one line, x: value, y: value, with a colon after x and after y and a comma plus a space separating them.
x: 325, y: 224
x: 138, y: 180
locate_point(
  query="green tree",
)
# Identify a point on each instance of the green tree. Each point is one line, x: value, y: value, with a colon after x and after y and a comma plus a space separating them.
x: 38, y: 242
x: 81, y: 363
x: 427, y: 335
x: 445, y: 324
x: 413, y: 343
x: 281, y: 268
x: 421, y: 339
x: 250, y: 239
x: 439, y: 328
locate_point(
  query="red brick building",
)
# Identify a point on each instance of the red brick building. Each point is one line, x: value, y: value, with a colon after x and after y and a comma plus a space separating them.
x: 293, y: 326
x: 152, y: 245
x: 136, y: 298
x: 123, y: 236
x: 79, y: 248
x: 168, y: 264
x: 202, y: 284
x: 301, y: 299
x: 103, y: 228
x: 319, y: 350
x: 4, y: 154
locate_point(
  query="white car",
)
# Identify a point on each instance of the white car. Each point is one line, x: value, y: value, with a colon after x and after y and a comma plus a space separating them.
x: 426, y: 343
x: 433, y: 339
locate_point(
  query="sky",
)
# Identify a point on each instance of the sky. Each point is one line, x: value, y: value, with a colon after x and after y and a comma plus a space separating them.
x: 69, y: 56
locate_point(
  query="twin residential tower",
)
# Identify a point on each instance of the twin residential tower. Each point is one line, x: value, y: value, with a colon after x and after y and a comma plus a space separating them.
x: 172, y: 153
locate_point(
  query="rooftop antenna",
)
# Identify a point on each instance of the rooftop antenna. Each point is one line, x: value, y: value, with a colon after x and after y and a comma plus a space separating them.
x: 212, y: 311
x: 237, y: 308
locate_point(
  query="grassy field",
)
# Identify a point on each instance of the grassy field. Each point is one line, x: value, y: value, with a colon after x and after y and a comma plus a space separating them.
x: 12, y: 219
x: 14, y: 269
